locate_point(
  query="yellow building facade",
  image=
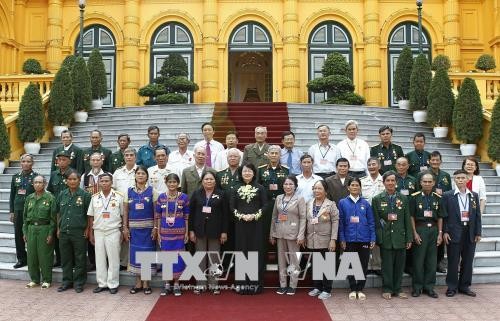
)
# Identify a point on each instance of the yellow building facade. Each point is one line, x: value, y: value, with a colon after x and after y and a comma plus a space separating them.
x: 260, y: 50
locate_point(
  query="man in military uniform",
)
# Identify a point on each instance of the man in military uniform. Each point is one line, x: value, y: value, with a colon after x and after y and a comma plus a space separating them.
x: 96, y: 147
x: 118, y: 157
x: 75, y: 152
x: 228, y: 178
x: 257, y: 153
x: 20, y: 188
x: 419, y: 158
x: 406, y: 184
x: 72, y: 205
x: 394, y: 234
x: 386, y: 151
x: 427, y: 224
x: 38, y: 230
x: 57, y: 184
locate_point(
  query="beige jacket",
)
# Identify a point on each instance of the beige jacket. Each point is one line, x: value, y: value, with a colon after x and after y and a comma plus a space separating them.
x: 294, y: 227
x: 318, y: 235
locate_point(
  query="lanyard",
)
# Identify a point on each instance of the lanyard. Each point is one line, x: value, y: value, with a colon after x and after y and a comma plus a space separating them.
x: 284, y: 204
x: 464, y: 203
x: 392, y: 201
x: 175, y: 206
x: 427, y: 203
x: 107, y: 204
x: 403, y: 180
x: 316, y: 209
x: 323, y: 155
x: 355, y: 145
x: 207, y: 198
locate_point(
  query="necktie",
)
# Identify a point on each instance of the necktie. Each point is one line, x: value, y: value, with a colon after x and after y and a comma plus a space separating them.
x: 289, y: 160
x: 208, y: 161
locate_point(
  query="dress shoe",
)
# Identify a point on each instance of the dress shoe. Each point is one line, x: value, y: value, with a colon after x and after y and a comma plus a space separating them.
x: 450, y: 293
x: 99, y: 289
x: 79, y: 289
x: 415, y: 293
x: 19, y: 265
x: 441, y: 269
x: 113, y: 290
x: 432, y: 294
x: 123, y: 268
x: 468, y: 292
x: 57, y: 265
x: 64, y: 287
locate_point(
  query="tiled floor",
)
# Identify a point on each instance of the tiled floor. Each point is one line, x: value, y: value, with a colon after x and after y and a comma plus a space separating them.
x: 18, y: 303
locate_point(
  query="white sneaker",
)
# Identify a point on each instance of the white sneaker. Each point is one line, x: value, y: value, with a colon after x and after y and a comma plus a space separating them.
x: 45, y: 285
x: 314, y: 292
x: 31, y: 285
x: 324, y: 295
x: 361, y: 296
x: 352, y: 295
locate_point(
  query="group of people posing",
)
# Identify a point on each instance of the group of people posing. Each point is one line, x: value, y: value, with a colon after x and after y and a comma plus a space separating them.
x: 397, y: 211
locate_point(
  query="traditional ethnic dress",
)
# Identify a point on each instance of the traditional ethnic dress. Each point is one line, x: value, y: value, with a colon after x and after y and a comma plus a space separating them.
x: 141, y: 222
x: 174, y: 214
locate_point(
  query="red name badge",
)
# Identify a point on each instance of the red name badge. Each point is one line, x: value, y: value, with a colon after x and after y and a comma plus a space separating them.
x: 405, y: 192
x: 427, y: 213
x: 355, y: 219
x: 139, y: 206
x: 21, y: 191
x: 273, y: 187
x: 392, y: 217
x: 314, y: 220
x: 323, y: 162
x: 282, y: 217
x: 464, y: 216
x: 207, y: 209
x: 439, y: 191
x: 106, y: 214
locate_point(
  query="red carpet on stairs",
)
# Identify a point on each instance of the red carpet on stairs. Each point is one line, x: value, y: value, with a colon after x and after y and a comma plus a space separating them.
x: 230, y: 306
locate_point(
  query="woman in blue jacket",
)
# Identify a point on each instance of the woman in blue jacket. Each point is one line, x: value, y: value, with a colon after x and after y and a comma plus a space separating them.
x: 356, y: 232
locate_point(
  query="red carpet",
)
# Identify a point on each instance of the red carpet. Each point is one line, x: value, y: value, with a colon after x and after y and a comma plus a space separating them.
x: 230, y: 306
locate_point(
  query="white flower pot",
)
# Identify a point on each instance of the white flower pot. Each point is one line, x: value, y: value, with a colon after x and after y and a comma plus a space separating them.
x: 96, y: 104
x: 468, y: 149
x: 32, y: 148
x: 2, y: 167
x: 420, y: 116
x: 498, y: 169
x: 81, y: 116
x: 404, y: 104
x: 58, y: 130
x: 440, y: 132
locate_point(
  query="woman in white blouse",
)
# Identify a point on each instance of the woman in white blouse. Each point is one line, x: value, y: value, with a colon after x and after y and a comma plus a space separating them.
x: 476, y: 182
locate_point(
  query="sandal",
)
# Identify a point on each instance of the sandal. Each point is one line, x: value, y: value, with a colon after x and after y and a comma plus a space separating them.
x: 134, y: 290
x: 147, y: 291
x: 165, y: 291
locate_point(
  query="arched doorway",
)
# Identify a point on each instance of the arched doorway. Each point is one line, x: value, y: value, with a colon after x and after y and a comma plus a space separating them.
x: 326, y: 38
x: 171, y: 37
x: 250, y: 64
x: 100, y: 37
x: 404, y: 34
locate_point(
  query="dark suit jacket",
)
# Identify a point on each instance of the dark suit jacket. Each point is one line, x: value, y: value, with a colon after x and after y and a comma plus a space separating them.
x: 451, y: 212
x: 209, y: 225
x: 191, y: 181
x: 337, y: 190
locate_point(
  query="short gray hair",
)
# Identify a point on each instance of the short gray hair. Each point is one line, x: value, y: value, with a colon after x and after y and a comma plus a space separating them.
x: 351, y: 122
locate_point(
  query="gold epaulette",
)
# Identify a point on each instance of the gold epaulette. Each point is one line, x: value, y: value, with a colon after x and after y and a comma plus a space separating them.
x: 222, y: 170
x: 416, y: 193
x: 436, y: 194
x: 261, y: 166
x: 285, y: 166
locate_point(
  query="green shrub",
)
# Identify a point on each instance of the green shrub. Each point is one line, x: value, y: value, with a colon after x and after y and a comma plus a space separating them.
x: 335, y: 85
x: 170, y: 98
x: 32, y: 66
x: 97, y: 74
x: 61, y: 106
x: 420, y: 81
x: 180, y: 84
x: 30, y: 123
x: 81, y: 81
x: 441, y: 61
x: 346, y: 99
x: 468, y: 113
x: 402, y: 74
x: 68, y: 62
x: 4, y: 139
x: 174, y: 65
x: 441, y: 100
x: 494, y: 135
x: 336, y: 64
x: 151, y: 90
x: 486, y: 62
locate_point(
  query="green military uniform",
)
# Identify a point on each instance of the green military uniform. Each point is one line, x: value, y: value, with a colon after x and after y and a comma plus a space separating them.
x: 39, y: 223
x: 419, y: 161
x: 407, y: 185
x: 426, y: 210
x: 20, y: 187
x: 227, y: 180
x: 117, y: 160
x: 394, y: 231
x: 106, y: 156
x: 57, y: 181
x: 387, y: 156
x: 442, y: 179
x: 75, y: 154
x: 72, y: 223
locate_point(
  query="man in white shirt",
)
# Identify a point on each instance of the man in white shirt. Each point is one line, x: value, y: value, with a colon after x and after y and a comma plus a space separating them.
x: 158, y: 172
x: 182, y: 157
x: 124, y: 177
x: 325, y: 155
x: 355, y: 150
x: 221, y: 157
x: 90, y: 180
x: 307, y: 178
x: 290, y: 155
x: 211, y: 146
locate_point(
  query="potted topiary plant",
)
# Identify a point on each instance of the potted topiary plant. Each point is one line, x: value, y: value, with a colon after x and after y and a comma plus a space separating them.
x: 32, y: 66
x: 30, y: 123
x: 441, y: 61
x: 468, y: 117
x: 61, y: 107
x: 152, y: 91
x: 420, y: 81
x: 68, y: 62
x: 4, y: 143
x: 98, y: 80
x: 485, y: 62
x: 402, y: 78
x: 494, y: 136
x: 83, y: 96
x: 441, y: 101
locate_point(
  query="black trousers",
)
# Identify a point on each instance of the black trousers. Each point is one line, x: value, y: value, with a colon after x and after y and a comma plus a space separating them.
x: 18, y: 237
x: 440, y: 253
x: 91, y: 253
x: 363, y: 250
x: 324, y: 285
x: 248, y: 238
x: 460, y: 253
